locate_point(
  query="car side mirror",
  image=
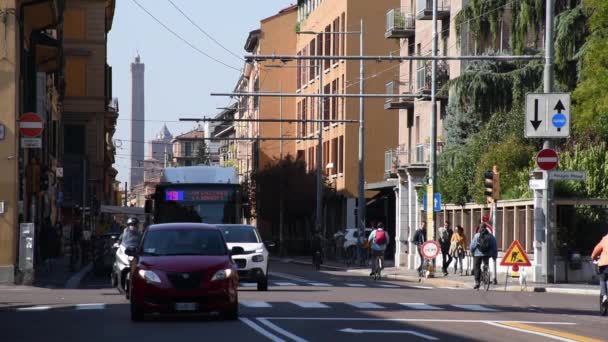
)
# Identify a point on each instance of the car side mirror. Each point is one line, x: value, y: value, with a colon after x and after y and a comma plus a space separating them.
x: 270, y: 244
x: 131, y: 251
x: 237, y: 250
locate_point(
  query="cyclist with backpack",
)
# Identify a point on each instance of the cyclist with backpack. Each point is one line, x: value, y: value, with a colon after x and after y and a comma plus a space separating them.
x: 379, y: 240
x: 600, y: 253
x: 483, y: 247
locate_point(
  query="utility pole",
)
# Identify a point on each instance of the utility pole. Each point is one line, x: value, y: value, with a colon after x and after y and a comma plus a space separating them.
x: 319, y: 210
x: 281, y: 213
x: 431, y: 232
x: 361, y: 189
x: 547, y: 203
x: 125, y: 199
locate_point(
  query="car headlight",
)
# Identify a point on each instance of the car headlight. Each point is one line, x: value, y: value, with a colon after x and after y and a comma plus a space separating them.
x: 149, y: 276
x: 222, y: 274
x: 258, y: 258
x: 261, y: 250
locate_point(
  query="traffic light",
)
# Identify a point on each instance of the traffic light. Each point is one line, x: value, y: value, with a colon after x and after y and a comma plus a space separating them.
x: 491, y: 183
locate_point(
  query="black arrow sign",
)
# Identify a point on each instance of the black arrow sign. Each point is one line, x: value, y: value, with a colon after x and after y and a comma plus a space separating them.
x: 536, y: 123
x: 559, y: 106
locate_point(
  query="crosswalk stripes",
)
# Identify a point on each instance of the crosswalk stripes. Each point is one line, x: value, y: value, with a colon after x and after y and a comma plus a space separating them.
x: 473, y: 307
x: 285, y: 283
x: 96, y: 306
x: 420, y: 306
x: 34, y: 308
x: 255, y: 304
x: 321, y: 284
x: 355, y: 285
x: 422, y: 287
x: 389, y: 286
x: 363, y: 305
x: 310, y: 305
x: 248, y: 284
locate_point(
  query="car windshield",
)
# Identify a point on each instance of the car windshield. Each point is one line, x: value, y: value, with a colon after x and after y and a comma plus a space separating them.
x: 165, y: 242
x: 243, y: 234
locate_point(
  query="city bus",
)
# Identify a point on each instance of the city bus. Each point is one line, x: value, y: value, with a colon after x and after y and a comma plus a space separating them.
x: 207, y: 194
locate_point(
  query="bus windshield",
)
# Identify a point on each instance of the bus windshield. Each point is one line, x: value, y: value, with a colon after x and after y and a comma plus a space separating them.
x: 211, y: 203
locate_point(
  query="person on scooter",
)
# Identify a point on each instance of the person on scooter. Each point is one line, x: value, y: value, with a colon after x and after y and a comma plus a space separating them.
x: 131, y: 236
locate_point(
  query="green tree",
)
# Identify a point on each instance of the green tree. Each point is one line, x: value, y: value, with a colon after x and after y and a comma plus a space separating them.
x: 202, y: 154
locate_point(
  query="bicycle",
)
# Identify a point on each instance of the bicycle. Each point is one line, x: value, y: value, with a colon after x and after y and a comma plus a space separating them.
x: 377, y: 267
x: 485, y: 276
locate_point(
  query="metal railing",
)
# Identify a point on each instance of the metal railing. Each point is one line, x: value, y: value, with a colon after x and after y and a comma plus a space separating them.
x: 427, y: 6
x: 397, y: 87
x: 399, y: 20
x: 424, y: 76
x: 401, y: 156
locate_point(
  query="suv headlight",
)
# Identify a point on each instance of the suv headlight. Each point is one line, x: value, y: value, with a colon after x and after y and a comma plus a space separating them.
x: 222, y: 274
x: 258, y: 258
x: 149, y: 276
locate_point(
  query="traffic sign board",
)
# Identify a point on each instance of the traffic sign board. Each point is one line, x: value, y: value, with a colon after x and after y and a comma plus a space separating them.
x: 31, y: 143
x: 547, y: 159
x: 430, y: 249
x: 548, y: 115
x: 31, y: 125
x: 568, y: 175
x: 436, y: 202
x: 515, y: 256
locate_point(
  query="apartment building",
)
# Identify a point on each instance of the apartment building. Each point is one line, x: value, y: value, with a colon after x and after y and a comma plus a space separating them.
x: 320, y: 23
x: 186, y: 146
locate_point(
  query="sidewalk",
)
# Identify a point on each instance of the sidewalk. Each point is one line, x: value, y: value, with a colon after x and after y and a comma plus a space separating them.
x: 58, y: 274
x: 458, y: 281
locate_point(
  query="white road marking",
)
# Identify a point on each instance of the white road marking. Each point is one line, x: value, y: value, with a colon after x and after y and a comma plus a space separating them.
x: 255, y: 304
x: 409, y: 332
x: 364, y: 305
x: 310, y: 305
x: 355, y: 285
x: 248, y: 284
x: 422, y: 287
x: 438, y: 320
x: 261, y: 330
x: 280, y: 330
x: 473, y: 307
x: 285, y: 283
x: 34, y: 308
x: 388, y: 286
x: 530, y: 332
x: 94, y: 306
x: 451, y: 288
x: 420, y: 306
x: 321, y: 284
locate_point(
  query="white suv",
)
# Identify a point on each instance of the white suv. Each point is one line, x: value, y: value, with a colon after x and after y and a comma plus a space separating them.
x: 350, y: 238
x: 253, y: 264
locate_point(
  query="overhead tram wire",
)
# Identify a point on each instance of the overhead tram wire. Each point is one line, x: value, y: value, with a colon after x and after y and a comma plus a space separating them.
x: 183, y: 39
x: 240, y: 58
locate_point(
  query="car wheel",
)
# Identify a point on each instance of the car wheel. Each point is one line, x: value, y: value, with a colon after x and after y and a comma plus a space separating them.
x: 263, y: 284
x: 137, y: 314
x: 232, y: 314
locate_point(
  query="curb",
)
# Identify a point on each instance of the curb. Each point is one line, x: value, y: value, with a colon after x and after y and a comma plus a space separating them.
x: 76, y: 279
x: 422, y: 280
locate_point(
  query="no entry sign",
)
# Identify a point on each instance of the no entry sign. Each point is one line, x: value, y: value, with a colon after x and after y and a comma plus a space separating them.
x: 31, y: 125
x: 430, y: 249
x: 547, y: 159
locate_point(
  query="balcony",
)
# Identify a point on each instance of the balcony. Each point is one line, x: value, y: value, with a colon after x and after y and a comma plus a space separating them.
x: 401, y: 158
x: 424, y: 77
x: 397, y: 87
x: 425, y: 9
x: 400, y: 24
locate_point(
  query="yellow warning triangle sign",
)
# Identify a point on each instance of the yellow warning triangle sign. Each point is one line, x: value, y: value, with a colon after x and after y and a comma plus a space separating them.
x: 515, y: 255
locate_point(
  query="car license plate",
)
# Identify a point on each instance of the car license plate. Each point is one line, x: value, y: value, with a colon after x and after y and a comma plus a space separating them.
x: 186, y: 306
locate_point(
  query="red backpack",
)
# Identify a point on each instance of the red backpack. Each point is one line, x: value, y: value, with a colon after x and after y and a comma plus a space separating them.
x: 380, y: 237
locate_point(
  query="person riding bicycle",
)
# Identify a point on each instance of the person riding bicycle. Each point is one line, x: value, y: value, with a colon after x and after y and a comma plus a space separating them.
x: 379, y: 240
x: 131, y: 236
x: 483, y: 247
x: 600, y: 253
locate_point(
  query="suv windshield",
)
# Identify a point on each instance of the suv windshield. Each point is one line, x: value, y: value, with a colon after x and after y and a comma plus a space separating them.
x: 243, y: 234
x: 164, y: 242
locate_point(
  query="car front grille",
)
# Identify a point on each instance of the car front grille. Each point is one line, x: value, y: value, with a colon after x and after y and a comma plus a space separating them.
x: 185, y: 281
x: 242, y: 263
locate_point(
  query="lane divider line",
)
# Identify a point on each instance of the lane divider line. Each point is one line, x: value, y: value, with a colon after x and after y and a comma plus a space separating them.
x: 280, y: 330
x: 552, y: 334
x: 261, y: 330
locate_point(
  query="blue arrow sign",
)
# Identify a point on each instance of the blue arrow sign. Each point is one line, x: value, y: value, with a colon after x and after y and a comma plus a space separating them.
x: 559, y: 120
x: 436, y: 202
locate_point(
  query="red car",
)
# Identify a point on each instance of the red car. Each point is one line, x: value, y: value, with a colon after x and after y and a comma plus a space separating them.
x: 183, y: 268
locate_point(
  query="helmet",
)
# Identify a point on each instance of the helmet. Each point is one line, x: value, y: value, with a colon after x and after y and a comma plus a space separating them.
x: 132, y: 221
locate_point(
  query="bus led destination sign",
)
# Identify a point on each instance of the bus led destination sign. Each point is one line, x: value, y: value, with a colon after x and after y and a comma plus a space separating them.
x: 197, y: 195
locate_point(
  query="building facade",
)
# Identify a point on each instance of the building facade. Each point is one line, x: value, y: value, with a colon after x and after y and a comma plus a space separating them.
x: 326, y: 20
x: 138, y: 117
x: 186, y: 147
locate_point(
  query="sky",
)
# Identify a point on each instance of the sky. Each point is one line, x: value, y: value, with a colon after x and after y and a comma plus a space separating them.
x: 178, y: 79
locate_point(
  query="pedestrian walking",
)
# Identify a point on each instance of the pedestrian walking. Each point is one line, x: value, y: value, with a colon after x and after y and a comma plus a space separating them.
x: 458, y: 248
x: 483, y: 247
x: 445, y: 240
x: 419, y: 239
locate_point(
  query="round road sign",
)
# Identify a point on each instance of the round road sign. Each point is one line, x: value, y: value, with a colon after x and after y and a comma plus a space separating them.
x: 430, y: 249
x: 547, y: 159
x: 31, y: 125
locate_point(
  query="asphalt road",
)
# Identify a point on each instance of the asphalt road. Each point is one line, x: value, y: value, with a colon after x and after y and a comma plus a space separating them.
x: 306, y: 305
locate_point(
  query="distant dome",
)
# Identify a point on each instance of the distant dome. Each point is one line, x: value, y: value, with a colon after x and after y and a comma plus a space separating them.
x: 164, y: 134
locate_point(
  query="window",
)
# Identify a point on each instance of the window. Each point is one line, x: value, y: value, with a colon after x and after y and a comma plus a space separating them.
x: 256, y: 99
x: 341, y: 154
x: 334, y: 156
x: 305, y: 67
x: 299, y: 71
x: 343, y: 29
x: 417, y: 129
x: 312, y: 62
x: 327, y: 46
x: 325, y: 157
x: 319, y: 50
x: 73, y: 139
x: 326, y: 101
x: 334, y: 100
x: 188, y: 149
x: 336, y: 40
x: 300, y: 155
x: 75, y: 76
x: 305, y: 112
x: 343, y: 100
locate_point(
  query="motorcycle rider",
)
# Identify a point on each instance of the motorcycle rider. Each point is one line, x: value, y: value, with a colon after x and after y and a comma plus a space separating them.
x: 131, y: 236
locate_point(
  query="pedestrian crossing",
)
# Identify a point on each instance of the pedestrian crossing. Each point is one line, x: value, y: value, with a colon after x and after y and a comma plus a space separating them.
x: 324, y: 284
x: 314, y: 305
